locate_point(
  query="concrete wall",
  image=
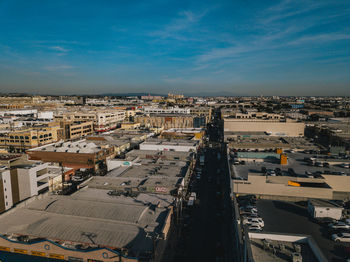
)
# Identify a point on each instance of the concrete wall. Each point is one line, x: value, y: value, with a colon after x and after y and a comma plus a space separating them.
x: 276, y: 128
x: 27, y: 180
x: 338, y: 183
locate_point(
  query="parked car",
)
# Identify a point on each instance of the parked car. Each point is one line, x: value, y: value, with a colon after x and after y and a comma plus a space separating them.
x: 309, y: 174
x: 250, y: 216
x: 255, y: 227
x: 339, y: 225
x: 324, y: 220
x: 341, y: 237
x: 249, y: 209
x: 253, y: 221
x: 271, y: 172
x: 319, y: 164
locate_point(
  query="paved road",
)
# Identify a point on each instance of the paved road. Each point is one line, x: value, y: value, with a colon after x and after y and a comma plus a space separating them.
x: 208, y: 234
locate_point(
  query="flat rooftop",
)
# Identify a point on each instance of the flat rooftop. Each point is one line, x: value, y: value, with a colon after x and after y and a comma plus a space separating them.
x: 295, y: 161
x: 169, y: 155
x: 178, y: 169
x: 245, y: 141
x: 324, y: 203
x: 111, y: 221
x: 81, y: 146
x: 147, y: 184
x: 177, y: 142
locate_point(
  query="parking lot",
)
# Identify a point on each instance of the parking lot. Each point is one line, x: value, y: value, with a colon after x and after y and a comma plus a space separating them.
x: 293, y: 218
x: 295, y: 161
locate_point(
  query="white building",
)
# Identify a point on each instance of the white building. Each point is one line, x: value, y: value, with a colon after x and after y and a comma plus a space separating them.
x: 169, y: 110
x: 35, y: 178
x: 103, y: 120
x: 45, y: 115
x: 19, y: 112
x: 108, y: 120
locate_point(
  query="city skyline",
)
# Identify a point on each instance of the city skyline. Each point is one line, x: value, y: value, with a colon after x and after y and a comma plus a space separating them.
x: 250, y: 48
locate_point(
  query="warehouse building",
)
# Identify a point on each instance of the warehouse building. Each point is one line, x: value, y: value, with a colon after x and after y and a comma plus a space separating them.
x: 268, y: 126
x: 90, y: 225
x: 78, y: 154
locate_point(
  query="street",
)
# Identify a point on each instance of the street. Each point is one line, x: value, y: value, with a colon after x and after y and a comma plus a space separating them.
x: 208, y: 232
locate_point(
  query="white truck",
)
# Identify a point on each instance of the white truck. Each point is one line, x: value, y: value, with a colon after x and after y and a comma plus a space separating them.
x: 319, y: 209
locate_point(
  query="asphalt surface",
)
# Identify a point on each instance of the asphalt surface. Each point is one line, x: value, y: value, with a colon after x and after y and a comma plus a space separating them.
x: 207, y: 229
x: 289, y: 217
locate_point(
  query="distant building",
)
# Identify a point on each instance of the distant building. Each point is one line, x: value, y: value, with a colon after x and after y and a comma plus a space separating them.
x: 183, y: 133
x: 24, y: 139
x: 73, y: 130
x: 103, y: 120
x: 166, y: 110
x: 168, y: 121
x: 271, y: 127
x: 149, y: 97
x: 174, y: 96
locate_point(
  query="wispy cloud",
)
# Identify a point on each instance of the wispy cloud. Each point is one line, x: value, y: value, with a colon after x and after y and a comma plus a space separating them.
x: 287, y: 9
x: 185, y: 22
x: 319, y: 39
x: 58, y: 68
x: 274, y: 37
x: 59, y: 48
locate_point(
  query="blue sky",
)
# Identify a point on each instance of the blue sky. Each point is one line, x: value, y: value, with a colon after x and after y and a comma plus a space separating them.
x: 194, y: 47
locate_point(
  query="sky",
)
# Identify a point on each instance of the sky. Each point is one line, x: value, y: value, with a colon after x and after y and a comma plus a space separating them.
x: 246, y: 47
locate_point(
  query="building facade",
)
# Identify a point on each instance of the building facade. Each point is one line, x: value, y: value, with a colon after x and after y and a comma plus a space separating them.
x: 74, y: 130
x: 168, y: 121
x: 24, y: 139
x: 103, y: 120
